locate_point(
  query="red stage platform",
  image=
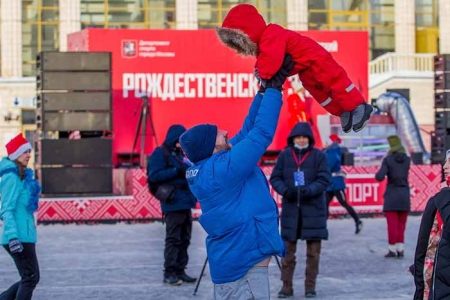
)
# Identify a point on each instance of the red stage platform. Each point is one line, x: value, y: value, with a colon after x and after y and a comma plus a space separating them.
x: 133, y: 201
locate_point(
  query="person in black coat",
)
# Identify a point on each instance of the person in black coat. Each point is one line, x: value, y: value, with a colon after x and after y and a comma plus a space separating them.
x: 437, y: 213
x: 301, y: 176
x: 397, y: 200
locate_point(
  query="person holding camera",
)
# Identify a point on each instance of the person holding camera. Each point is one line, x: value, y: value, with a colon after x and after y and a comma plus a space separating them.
x: 238, y: 212
x: 166, y: 177
x: 19, y: 193
x: 301, y: 176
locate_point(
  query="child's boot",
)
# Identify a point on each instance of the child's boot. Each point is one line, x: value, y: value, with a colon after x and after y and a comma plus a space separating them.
x: 361, y: 115
x: 346, y: 121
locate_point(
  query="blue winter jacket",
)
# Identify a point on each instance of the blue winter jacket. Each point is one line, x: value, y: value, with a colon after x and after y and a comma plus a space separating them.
x: 334, y: 162
x: 19, y: 200
x: 162, y: 172
x: 238, y: 211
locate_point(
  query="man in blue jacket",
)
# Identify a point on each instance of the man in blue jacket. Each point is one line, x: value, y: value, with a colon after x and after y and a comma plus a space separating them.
x: 166, y: 166
x: 238, y: 211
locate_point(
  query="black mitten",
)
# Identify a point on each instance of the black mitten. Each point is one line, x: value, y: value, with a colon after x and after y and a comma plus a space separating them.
x: 277, y: 80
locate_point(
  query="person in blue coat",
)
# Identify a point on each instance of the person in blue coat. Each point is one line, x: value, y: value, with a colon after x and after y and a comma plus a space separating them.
x: 238, y: 212
x: 167, y: 166
x: 301, y: 176
x: 337, y: 186
x: 19, y: 193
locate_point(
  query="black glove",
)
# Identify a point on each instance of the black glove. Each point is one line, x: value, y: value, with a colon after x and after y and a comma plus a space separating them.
x: 304, y: 191
x: 181, y: 170
x: 15, y: 246
x: 277, y: 80
x: 291, y: 194
x: 262, y: 82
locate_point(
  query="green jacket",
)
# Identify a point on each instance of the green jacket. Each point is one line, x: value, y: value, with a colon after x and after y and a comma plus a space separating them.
x: 19, y: 199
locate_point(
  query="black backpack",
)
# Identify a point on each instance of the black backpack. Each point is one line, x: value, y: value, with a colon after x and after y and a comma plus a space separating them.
x: 153, y: 186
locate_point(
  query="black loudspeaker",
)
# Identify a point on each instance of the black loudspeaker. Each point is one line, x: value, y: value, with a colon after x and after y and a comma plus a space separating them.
x: 75, y: 181
x: 74, y: 100
x: 442, y: 81
x: 442, y: 120
x: 73, y: 61
x: 442, y: 100
x: 60, y: 81
x: 348, y: 159
x: 94, y: 151
x: 442, y: 63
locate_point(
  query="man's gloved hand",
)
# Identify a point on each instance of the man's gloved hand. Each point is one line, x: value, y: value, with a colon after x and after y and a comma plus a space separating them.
x: 181, y: 170
x: 262, y: 82
x: 304, y: 191
x: 15, y: 246
x: 277, y: 80
x: 291, y: 194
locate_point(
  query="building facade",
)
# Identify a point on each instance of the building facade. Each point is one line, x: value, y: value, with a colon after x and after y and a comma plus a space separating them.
x: 31, y: 26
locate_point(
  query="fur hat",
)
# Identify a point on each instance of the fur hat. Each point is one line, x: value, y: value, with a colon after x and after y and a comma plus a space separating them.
x: 198, y: 142
x: 17, y: 146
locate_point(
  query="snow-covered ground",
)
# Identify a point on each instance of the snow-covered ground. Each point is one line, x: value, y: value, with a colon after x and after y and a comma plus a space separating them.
x: 125, y: 262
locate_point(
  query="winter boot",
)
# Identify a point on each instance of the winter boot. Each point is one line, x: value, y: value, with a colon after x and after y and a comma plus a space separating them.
x: 286, y: 291
x: 361, y: 115
x: 346, y: 121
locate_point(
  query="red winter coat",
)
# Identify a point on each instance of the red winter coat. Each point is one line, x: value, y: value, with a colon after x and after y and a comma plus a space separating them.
x: 245, y: 30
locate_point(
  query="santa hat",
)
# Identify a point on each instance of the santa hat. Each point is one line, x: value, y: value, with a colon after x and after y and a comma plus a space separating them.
x: 335, y: 139
x: 17, y: 146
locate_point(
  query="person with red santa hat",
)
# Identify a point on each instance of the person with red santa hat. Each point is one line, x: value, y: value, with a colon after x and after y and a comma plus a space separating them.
x: 333, y: 151
x: 19, y: 193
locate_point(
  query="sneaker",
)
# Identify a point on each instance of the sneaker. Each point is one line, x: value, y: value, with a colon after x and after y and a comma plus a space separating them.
x: 359, y: 226
x: 400, y: 254
x: 346, y: 121
x: 188, y: 279
x: 173, y: 280
x: 361, y: 115
x: 390, y: 254
x: 310, y: 294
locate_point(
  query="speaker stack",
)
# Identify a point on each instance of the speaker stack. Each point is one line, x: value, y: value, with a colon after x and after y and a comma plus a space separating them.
x: 74, y: 95
x: 440, y: 137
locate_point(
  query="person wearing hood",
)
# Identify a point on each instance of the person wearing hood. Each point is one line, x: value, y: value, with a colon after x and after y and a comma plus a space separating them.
x: 397, y: 202
x: 245, y: 31
x: 238, y: 211
x: 19, y: 193
x: 167, y: 167
x: 336, y: 188
x: 430, y: 268
x: 301, y: 176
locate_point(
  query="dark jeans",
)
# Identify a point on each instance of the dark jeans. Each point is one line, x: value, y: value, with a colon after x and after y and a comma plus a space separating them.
x: 312, y: 263
x: 178, y: 237
x: 27, y: 265
x: 340, y: 196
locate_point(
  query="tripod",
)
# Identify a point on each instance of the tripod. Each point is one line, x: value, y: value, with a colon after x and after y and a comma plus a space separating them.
x: 203, y: 270
x: 142, y: 128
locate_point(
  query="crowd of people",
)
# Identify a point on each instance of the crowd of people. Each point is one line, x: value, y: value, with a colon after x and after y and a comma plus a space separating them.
x: 242, y: 221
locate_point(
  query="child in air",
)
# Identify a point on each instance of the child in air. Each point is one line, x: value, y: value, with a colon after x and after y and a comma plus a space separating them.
x: 245, y: 31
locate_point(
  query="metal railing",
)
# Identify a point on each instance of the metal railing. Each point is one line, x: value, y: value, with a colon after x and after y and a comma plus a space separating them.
x: 394, y: 62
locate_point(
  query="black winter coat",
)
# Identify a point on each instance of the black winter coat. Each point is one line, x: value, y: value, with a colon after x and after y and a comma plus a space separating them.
x: 440, y: 287
x: 397, y: 195
x: 308, y: 220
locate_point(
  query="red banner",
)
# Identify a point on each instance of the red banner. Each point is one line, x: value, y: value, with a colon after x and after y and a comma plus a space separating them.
x: 364, y: 193
x: 192, y: 78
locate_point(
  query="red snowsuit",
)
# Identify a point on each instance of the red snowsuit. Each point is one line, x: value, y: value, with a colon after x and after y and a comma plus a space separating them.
x: 245, y: 30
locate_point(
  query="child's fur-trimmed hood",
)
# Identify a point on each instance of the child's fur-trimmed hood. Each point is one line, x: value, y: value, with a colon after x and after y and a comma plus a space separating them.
x: 242, y: 29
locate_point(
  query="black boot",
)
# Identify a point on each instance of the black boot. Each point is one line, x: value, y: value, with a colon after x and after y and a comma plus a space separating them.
x: 188, y: 279
x: 286, y: 291
x: 390, y: 254
x: 400, y: 254
x: 172, y: 280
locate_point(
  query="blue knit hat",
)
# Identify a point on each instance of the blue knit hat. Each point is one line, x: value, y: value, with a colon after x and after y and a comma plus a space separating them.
x: 198, y: 142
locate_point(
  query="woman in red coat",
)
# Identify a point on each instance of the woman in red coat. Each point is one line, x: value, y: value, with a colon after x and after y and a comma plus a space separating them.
x: 245, y: 31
